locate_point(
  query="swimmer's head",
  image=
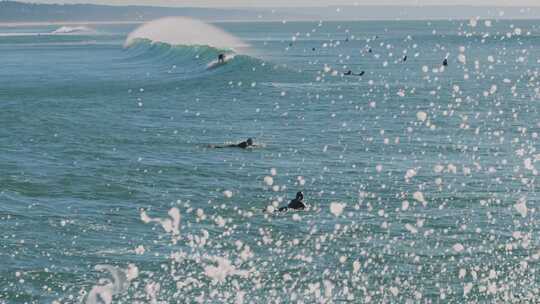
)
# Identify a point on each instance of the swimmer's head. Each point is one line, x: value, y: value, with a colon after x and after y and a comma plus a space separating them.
x: 249, y: 141
x: 299, y: 195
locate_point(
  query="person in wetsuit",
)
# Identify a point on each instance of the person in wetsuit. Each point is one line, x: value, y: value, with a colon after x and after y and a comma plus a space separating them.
x: 221, y: 58
x: 296, y: 204
x: 350, y: 73
x: 244, y: 145
x: 445, y: 62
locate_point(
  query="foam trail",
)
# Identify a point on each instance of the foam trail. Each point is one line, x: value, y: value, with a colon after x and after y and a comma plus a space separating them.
x: 184, y: 31
x: 71, y: 30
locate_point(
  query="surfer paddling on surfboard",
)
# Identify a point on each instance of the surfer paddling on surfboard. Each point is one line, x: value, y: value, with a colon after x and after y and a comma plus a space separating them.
x: 244, y: 145
x: 296, y: 204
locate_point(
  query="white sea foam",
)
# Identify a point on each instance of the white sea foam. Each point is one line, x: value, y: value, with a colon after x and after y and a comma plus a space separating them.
x: 72, y: 30
x: 419, y: 196
x: 521, y: 206
x: 337, y: 208
x: 119, y: 282
x: 223, y: 269
x: 170, y: 225
x: 458, y: 247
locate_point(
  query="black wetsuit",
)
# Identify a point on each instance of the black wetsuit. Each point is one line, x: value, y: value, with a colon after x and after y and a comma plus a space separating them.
x: 295, y: 204
x: 243, y: 145
x: 445, y: 62
x: 350, y: 73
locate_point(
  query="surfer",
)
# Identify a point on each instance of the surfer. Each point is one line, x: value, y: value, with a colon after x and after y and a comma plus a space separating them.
x: 350, y: 73
x: 221, y: 58
x: 244, y: 145
x: 445, y: 62
x: 296, y: 204
x: 405, y: 58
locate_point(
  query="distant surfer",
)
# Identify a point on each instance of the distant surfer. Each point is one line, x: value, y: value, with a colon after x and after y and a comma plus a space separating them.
x: 405, y: 58
x: 296, y: 204
x: 350, y: 73
x: 445, y: 62
x: 221, y: 58
x: 244, y: 145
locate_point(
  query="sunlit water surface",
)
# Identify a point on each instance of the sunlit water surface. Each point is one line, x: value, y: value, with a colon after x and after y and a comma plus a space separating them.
x: 421, y: 180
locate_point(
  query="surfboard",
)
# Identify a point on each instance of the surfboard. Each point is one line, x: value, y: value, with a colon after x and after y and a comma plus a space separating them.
x: 216, y: 63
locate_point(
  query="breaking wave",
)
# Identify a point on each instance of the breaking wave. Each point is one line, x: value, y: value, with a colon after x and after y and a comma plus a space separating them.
x: 188, y: 46
x: 73, y: 30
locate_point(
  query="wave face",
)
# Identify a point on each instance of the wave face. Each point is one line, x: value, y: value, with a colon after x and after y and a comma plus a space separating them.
x: 188, y: 61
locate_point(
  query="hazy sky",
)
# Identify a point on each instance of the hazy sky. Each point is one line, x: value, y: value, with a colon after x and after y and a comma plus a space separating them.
x: 282, y: 3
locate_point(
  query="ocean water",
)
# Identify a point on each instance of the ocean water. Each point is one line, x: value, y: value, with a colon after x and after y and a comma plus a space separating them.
x: 420, y: 179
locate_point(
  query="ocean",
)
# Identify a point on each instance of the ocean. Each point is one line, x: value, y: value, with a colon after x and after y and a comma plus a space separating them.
x: 420, y: 178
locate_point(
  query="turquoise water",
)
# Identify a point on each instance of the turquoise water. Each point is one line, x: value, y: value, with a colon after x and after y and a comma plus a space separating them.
x: 421, y: 181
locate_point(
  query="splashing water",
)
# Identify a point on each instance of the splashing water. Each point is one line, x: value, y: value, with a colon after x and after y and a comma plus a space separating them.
x: 103, y: 292
x: 184, y: 31
x: 424, y: 196
x: 170, y: 225
x: 73, y: 30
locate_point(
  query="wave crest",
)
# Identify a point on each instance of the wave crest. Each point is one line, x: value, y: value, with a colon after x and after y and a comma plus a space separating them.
x: 179, y: 31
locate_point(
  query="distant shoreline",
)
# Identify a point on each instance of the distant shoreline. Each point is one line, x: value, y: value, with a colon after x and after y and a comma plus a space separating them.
x: 14, y: 13
x: 60, y: 23
x: 44, y: 23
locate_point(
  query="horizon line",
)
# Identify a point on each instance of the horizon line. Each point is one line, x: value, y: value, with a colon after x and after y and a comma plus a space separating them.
x: 284, y: 7
x: 44, y: 23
